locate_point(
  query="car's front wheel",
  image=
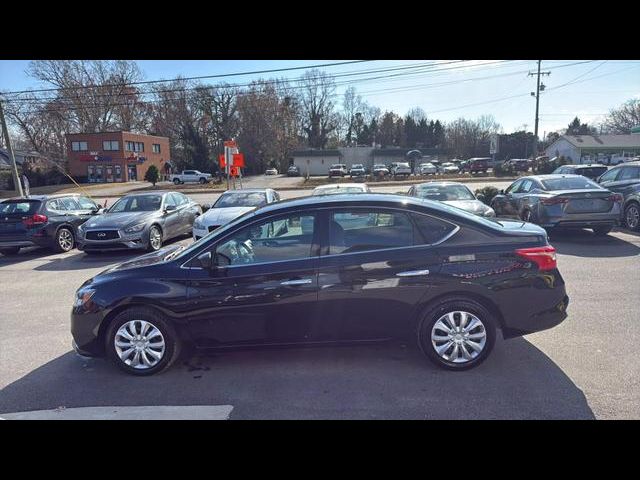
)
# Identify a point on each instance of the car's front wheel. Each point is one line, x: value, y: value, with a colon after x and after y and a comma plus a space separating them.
x: 203, y: 181
x: 457, y: 333
x: 176, y: 181
x: 601, y: 231
x: 632, y: 216
x: 142, y: 342
x: 155, y: 239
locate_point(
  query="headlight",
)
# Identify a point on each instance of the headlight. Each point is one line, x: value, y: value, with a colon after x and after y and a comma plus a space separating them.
x: 135, y: 228
x: 83, y: 295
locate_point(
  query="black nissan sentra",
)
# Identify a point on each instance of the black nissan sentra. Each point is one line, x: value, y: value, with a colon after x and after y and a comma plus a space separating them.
x: 323, y: 270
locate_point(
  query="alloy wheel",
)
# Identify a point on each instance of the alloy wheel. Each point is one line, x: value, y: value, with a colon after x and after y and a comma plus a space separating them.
x: 458, y: 337
x: 65, y: 240
x: 139, y: 344
x: 155, y: 238
x: 632, y: 217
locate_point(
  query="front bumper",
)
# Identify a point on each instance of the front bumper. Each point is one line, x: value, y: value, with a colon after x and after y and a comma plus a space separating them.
x: 135, y: 241
x: 85, y: 330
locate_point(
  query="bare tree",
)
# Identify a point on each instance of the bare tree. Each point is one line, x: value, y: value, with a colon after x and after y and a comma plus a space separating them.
x: 621, y: 120
x: 317, y: 108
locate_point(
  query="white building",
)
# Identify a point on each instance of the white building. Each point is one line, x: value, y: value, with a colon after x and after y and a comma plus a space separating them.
x: 592, y: 148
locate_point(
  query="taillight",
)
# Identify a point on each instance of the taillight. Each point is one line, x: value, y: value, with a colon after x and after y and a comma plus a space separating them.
x: 616, y: 197
x: 544, y: 257
x: 554, y: 200
x: 34, y: 220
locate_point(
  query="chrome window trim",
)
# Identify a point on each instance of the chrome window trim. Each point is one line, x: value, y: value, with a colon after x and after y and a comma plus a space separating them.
x: 317, y: 209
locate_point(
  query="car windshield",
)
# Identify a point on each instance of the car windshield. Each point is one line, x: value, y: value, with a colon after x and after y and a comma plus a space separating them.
x: 570, y: 183
x: 334, y: 190
x: 445, y: 193
x: 241, y: 199
x: 592, y: 172
x: 137, y: 203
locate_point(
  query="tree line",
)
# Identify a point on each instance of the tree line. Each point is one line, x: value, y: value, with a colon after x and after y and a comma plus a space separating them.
x: 270, y: 118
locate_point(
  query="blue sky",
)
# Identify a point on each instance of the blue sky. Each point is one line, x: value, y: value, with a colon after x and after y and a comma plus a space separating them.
x: 458, y: 89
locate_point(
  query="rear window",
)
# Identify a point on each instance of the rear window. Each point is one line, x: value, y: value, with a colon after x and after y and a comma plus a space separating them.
x: 569, y: 183
x: 26, y: 207
x: 433, y: 230
x: 592, y: 171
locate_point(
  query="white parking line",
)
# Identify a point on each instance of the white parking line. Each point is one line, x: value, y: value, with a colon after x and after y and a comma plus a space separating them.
x: 195, y: 412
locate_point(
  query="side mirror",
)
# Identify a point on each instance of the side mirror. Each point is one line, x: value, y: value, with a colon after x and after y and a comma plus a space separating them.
x: 501, y: 191
x: 481, y: 197
x: 170, y: 208
x: 206, y: 261
x: 205, y: 206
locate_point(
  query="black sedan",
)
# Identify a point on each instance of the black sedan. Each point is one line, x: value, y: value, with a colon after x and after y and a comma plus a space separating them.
x: 49, y: 221
x: 139, y: 221
x: 570, y: 201
x: 323, y: 270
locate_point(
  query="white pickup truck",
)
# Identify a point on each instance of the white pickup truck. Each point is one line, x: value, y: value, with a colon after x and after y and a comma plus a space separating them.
x: 191, y: 176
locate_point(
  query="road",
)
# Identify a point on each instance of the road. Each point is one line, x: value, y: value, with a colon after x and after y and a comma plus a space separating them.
x: 585, y: 368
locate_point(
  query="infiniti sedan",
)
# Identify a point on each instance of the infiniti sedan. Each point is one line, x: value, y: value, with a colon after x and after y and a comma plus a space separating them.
x: 565, y: 201
x: 326, y: 270
x: 454, y: 194
x: 139, y: 221
x: 231, y: 205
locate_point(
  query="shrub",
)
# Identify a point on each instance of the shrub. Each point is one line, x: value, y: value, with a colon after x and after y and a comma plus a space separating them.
x: 152, y: 175
x: 487, y: 194
x: 502, y: 170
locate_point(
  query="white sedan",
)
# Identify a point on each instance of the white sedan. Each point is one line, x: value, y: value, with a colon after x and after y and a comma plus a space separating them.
x: 449, y: 168
x: 428, y: 169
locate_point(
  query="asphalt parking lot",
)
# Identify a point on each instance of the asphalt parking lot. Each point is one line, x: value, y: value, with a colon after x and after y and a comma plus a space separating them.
x: 583, y: 369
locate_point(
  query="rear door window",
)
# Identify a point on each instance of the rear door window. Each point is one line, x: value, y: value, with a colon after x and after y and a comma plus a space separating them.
x: 629, y: 173
x: 360, y: 230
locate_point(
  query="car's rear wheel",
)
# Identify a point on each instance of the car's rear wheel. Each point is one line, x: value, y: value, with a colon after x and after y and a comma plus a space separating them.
x: 64, y: 240
x: 10, y: 250
x: 142, y: 342
x: 176, y: 181
x: 632, y: 216
x: 155, y: 239
x: 457, y: 333
x: 203, y: 181
x: 601, y: 231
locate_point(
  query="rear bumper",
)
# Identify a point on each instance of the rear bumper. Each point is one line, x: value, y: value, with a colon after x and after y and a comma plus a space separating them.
x: 580, y: 220
x: 539, y: 321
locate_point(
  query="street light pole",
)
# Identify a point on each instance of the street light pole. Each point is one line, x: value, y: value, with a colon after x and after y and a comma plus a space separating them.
x: 537, y: 95
x: 17, y: 185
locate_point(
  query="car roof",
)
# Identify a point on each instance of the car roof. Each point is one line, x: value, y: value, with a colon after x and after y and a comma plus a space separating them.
x: 340, y: 185
x: 42, y: 198
x: 440, y: 184
x: 583, y: 165
x: 551, y: 176
x: 247, y: 190
x: 635, y: 163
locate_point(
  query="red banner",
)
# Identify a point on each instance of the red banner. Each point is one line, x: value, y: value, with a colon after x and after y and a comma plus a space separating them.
x: 221, y: 161
x: 238, y: 160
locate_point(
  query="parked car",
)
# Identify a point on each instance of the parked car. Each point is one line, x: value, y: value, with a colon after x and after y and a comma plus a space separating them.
x: 428, y: 169
x: 293, y: 171
x: 338, y: 170
x: 560, y: 201
x: 380, y: 170
x: 454, y: 194
x: 434, y: 274
x: 475, y: 165
x: 447, y: 167
x: 271, y: 171
x: 341, y: 188
x: 400, y: 169
x: 625, y: 180
x: 592, y: 171
x: 190, y: 176
x: 357, y: 170
x: 49, y: 221
x: 229, y: 206
x: 518, y: 164
x: 139, y: 221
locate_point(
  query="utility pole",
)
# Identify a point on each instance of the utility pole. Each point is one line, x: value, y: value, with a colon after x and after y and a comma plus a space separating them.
x: 537, y: 95
x: 14, y: 167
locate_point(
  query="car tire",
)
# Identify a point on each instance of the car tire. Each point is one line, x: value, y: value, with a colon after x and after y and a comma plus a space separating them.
x: 176, y: 181
x: 602, y: 231
x: 154, y: 244
x: 10, y: 250
x: 632, y: 216
x: 450, y: 348
x: 154, y: 353
x: 64, y: 240
x: 202, y: 181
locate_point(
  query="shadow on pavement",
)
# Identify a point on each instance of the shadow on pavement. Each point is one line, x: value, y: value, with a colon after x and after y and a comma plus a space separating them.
x: 584, y: 243
x: 389, y: 381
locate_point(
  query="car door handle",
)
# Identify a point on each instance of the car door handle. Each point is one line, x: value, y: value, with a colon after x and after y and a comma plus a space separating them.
x: 300, y: 281
x: 413, y: 273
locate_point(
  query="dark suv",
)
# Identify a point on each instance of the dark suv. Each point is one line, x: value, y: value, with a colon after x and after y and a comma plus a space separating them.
x: 591, y: 171
x: 475, y: 165
x: 43, y: 220
x: 625, y: 180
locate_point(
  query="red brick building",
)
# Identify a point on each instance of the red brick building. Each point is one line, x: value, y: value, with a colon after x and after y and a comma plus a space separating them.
x: 115, y: 156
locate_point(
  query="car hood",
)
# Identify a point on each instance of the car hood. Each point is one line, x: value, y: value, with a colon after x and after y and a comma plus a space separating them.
x: 473, y: 206
x: 146, y: 260
x: 118, y: 220
x: 222, y: 216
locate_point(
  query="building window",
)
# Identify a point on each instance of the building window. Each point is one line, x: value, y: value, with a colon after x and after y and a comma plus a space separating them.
x: 156, y: 148
x: 135, y: 147
x: 110, y: 145
x: 79, y: 146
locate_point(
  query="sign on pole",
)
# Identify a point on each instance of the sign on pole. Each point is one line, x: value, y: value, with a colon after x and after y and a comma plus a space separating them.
x: 495, y: 144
